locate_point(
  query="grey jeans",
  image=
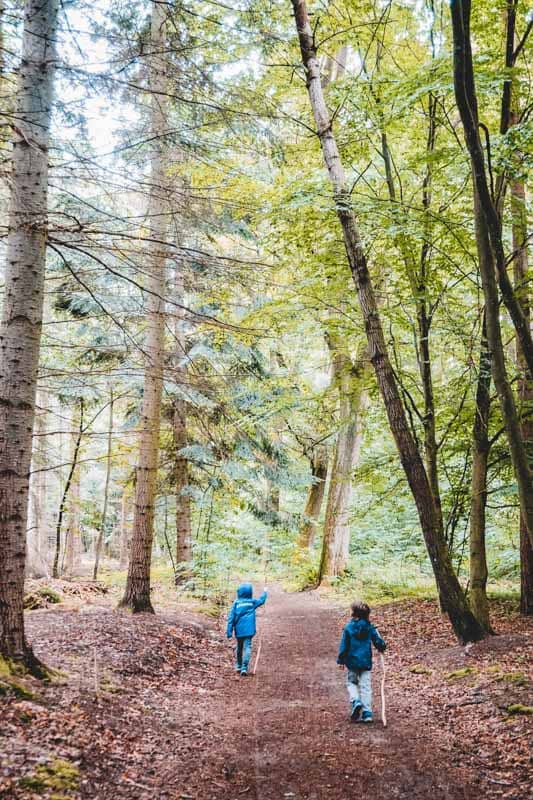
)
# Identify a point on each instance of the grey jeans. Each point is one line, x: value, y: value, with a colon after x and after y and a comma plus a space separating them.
x: 359, y: 685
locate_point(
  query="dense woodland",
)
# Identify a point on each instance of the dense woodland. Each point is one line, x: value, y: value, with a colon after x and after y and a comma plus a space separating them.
x: 266, y: 301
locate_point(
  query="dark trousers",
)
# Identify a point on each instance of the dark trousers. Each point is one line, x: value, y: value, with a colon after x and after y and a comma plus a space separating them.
x: 244, y: 652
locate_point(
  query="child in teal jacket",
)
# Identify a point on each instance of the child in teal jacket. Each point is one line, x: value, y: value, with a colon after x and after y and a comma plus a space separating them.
x: 241, y: 622
x: 355, y: 653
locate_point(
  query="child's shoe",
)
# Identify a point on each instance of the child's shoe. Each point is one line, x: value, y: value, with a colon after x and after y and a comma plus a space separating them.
x: 357, y: 707
x: 367, y: 717
x: 244, y: 673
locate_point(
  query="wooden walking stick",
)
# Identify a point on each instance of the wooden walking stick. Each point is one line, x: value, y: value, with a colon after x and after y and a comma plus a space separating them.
x: 257, y: 657
x: 383, y: 712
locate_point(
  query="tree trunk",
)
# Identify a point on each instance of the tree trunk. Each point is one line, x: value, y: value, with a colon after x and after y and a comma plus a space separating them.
x: 525, y: 386
x: 20, y: 330
x: 351, y: 380
x: 491, y: 255
x: 37, y: 565
x: 478, y: 501
x: 183, y: 500
x: 319, y: 472
x: 137, y: 593
x: 65, y: 494
x: 124, y: 529
x: 103, y: 520
x: 181, y: 471
x: 73, y: 536
x: 451, y: 593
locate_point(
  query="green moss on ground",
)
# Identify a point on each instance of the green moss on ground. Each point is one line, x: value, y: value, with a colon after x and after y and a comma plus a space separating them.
x: 420, y: 669
x: 518, y: 708
x: 458, y: 674
x: 60, y: 776
x: 516, y: 678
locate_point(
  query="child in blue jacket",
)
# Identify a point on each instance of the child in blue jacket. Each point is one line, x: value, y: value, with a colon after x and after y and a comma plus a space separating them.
x: 241, y: 622
x: 355, y: 653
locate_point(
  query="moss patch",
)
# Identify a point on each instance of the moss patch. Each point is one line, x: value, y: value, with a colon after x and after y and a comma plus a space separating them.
x: 41, y: 598
x: 458, y: 674
x: 516, y: 678
x: 60, y: 776
x: 420, y: 669
x: 518, y: 708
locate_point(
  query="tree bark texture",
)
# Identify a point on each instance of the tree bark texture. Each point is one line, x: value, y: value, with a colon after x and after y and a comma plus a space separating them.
x: 20, y: 328
x: 525, y: 387
x: 103, y: 519
x: 478, y: 501
x: 451, y: 593
x: 137, y: 593
x: 351, y: 380
x: 313, y: 506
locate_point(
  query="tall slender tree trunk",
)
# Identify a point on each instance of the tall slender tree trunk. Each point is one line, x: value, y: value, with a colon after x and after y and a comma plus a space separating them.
x: 492, y: 260
x: 313, y: 506
x: 73, y: 536
x: 37, y: 560
x: 20, y: 329
x: 478, y: 501
x: 103, y: 519
x: 451, y: 593
x: 525, y: 388
x: 181, y: 470
x: 351, y: 379
x: 65, y: 495
x: 137, y: 593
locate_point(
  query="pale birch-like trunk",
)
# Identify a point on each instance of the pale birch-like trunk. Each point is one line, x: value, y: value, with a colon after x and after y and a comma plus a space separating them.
x: 20, y: 330
x: 351, y: 380
x: 451, y: 593
x: 137, y: 593
x: 315, y: 497
x: 37, y: 551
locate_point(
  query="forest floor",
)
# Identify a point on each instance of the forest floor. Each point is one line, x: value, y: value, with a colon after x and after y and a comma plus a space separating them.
x: 150, y: 708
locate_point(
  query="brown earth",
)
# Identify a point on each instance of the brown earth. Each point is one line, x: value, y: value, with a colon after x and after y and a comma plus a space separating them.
x: 152, y: 709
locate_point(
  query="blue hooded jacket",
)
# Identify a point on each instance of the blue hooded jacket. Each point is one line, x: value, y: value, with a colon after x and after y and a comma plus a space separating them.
x: 241, y: 619
x: 355, y: 650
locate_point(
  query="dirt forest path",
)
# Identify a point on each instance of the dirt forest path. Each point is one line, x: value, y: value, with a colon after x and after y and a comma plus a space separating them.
x: 150, y: 708
x: 289, y: 731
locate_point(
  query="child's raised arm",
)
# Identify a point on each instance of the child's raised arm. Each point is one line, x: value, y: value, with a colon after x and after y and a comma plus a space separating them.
x: 259, y: 601
x: 377, y: 641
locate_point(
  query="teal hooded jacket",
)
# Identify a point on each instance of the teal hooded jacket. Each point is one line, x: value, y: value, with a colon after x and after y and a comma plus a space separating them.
x: 355, y: 650
x: 241, y: 619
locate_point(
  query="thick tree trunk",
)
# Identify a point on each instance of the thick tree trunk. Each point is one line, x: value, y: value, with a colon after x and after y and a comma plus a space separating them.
x: 351, y: 380
x: 478, y: 501
x: 319, y: 473
x: 20, y: 330
x: 103, y: 519
x: 451, y: 593
x: 491, y: 255
x: 137, y: 593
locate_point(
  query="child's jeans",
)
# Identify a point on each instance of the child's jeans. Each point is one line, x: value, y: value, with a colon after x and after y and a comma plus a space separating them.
x: 359, y: 685
x: 244, y: 652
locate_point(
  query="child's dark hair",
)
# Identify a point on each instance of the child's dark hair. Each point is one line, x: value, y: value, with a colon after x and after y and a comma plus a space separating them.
x: 360, y: 610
